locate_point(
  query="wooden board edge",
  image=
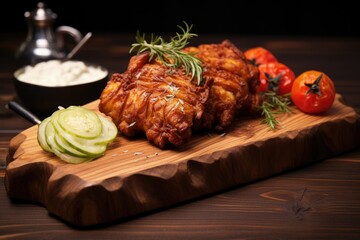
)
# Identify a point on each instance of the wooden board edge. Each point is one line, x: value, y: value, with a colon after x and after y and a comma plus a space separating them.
x: 115, y: 198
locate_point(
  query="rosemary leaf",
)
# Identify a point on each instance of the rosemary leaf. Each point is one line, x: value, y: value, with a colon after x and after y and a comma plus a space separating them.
x: 169, y: 53
x: 272, y: 105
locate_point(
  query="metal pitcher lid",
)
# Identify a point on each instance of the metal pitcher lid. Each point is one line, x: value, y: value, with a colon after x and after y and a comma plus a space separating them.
x: 41, y: 13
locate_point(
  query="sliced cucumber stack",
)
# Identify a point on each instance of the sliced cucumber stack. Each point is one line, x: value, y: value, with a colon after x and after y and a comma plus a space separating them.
x: 76, y: 134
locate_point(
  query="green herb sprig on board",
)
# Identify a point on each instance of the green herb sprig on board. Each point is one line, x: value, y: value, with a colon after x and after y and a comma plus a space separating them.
x: 272, y: 105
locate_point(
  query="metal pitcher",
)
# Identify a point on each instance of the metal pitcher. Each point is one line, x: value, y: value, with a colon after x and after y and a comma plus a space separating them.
x: 42, y: 42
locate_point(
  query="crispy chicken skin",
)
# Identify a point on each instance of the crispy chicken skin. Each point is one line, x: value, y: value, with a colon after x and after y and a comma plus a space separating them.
x: 234, y: 83
x: 167, y: 106
x: 149, y: 98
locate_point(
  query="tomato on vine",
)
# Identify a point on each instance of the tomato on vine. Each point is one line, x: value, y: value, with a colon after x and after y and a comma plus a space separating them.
x: 259, y: 55
x: 275, y: 77
x: 313, y: 92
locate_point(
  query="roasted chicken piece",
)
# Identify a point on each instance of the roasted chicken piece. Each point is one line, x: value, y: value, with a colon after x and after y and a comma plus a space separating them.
x: 149, y: 97
x: 165, y: 104
x: 234, y: 83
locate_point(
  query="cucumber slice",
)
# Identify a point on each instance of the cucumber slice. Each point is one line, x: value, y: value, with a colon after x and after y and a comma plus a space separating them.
x: 66, y: 148
x: 80, y: 122
x: 83, y: 145
x: 58, y: 150
x: 71, y: 159
x: 90, y: 147
x: 41, y: 138
x: 50, y: 137
x: 76, y: 134
x: 109, y: 132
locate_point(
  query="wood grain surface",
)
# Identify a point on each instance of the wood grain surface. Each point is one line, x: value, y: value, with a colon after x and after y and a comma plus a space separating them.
x: 134, y: 176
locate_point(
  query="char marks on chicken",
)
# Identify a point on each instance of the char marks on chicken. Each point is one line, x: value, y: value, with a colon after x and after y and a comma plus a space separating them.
x: 168, y: 106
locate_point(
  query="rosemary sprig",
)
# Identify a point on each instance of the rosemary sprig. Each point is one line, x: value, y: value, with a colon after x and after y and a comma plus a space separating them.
x: 274, y: 104
x: 169, y: 53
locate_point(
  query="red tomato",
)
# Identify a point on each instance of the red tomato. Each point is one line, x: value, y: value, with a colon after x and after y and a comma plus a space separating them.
x: 259, y: 55
x: 313, y: 92
x: 276, y: 77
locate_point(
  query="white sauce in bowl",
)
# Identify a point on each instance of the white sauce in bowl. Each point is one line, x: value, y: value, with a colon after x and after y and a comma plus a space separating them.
x: 56, y: 73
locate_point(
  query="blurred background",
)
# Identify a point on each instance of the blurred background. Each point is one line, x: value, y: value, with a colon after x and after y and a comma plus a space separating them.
x: 315, y: 18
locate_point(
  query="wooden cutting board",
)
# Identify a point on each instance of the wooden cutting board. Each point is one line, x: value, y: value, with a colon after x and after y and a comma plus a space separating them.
x: 135, y: 177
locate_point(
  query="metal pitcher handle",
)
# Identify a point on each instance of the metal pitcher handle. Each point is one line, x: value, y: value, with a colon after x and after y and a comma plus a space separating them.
x: 66, y: 30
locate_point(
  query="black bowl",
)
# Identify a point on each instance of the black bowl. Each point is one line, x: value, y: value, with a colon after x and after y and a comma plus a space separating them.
x: 44, y: 100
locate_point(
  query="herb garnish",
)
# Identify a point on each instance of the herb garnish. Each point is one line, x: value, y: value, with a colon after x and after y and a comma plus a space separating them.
x: 274, y: 104
x: 170, y: 54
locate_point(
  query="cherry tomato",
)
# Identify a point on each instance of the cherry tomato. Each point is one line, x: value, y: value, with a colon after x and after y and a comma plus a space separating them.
x: 276, y: 77
x: 259, y: 55
x: 313, y: 92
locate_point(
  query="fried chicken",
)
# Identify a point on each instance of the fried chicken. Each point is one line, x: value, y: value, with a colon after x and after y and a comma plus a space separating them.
x: 234, y: 87
x: 150, y: 98
x: 167, y: 105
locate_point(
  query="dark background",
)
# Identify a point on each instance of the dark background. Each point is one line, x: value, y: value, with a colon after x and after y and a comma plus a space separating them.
x: 315, y: 18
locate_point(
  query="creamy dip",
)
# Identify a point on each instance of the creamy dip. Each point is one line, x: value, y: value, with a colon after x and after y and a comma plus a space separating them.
x: 56, y: 73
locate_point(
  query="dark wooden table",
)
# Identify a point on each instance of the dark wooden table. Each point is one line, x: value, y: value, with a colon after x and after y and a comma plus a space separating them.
x: 320, y: 201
